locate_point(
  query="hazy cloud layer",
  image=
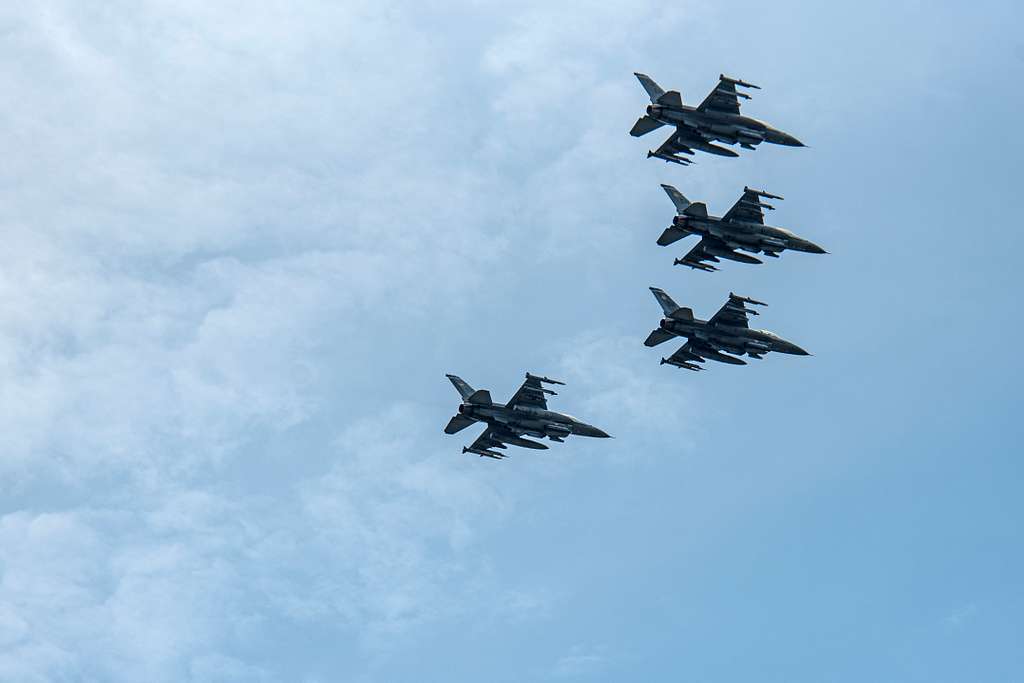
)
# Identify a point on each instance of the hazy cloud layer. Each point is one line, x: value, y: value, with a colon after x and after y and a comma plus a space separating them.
x: 243, y: 244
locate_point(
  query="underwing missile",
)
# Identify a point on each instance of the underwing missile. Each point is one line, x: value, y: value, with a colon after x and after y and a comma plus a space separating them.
x: 484, y: 453
x: 681, y: 364
x: 706, y: 267
x: 682, y: 161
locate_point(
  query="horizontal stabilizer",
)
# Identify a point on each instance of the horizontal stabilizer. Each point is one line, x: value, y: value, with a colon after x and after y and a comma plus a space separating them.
x: 677, y: 198
x: 671, y: 234
x: 671, y: 99
x: 457, y: 424
x: 644, y: 125
x: 658, y: 336
x: 480, y: 397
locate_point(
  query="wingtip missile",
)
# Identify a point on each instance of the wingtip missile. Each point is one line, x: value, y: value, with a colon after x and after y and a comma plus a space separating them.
x: 761, y: 193
x: 737, y: 81
x: 746, y: 299
x: 544, y: 379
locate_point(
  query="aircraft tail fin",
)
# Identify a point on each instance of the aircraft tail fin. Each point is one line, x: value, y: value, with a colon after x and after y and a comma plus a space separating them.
x: 671, y: 99
x: 465, y: 391
x: 480, y: 397
x: 654, y: 90
x: 677, y: 198
x: 697, y: 209
x: 667, y: 304
x: 671, y: 308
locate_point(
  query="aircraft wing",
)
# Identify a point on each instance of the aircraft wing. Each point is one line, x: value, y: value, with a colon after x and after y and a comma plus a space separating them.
x: 749, y: 208
x: 685, y: 356
x: 489, y: 439
x: 677, y: 142
x: 532, y: 393
x: 725, y: 99
x: 669, y: 148
x: 696, y: 257
x: 734, y: 312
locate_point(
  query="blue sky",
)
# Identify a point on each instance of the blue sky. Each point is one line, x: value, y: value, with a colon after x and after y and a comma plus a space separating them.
x: 244, y: 245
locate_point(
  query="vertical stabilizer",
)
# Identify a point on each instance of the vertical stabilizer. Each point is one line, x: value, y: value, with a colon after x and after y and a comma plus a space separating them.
x: 654, y: 90
x: 681, y: 202
x: 464, y: 389
x: 667, y: 304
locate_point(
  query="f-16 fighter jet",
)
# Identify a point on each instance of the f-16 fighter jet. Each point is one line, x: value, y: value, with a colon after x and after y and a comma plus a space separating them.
x: 741, y: 228
x: 727, y: 330
x: 526, y: 413
x: 717, y: 118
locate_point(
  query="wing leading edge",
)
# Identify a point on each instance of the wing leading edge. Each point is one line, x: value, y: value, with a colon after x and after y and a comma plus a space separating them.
x: 749, y: 208
x: 724, y: 98
x: 734, y: 312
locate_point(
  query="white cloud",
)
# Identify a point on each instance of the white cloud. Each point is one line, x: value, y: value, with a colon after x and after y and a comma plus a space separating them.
x: 579, y: 661
x: 644, y: 402
x: 207, y: 211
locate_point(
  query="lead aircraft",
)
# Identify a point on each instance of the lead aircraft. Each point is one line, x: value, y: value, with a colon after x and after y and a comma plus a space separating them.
x: 716, y: 119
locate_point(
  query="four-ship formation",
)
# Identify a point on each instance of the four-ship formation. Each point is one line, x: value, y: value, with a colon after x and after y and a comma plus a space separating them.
x: 734, y: 236
x: 727, y: 330
x: 742, y: 228
x: 716, y: 119
x: 526, y: 413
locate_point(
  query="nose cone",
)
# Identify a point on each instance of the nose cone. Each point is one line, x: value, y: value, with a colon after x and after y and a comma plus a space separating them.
x: 790, y: 348
x: 780, y: 138
x: 813, y: 248
x: 584, y: 429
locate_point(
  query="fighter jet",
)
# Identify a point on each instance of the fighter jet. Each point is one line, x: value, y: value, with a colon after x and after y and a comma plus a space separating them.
x: 741, y: 228
x: 526, y: 413
x: 717, y: 118
x: 727, y: 330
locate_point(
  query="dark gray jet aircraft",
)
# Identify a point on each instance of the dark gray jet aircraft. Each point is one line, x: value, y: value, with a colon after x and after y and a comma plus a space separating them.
x: 526, y: 413
x: 727, y: 330
x: 717, y: 118
x: 741, y: 228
